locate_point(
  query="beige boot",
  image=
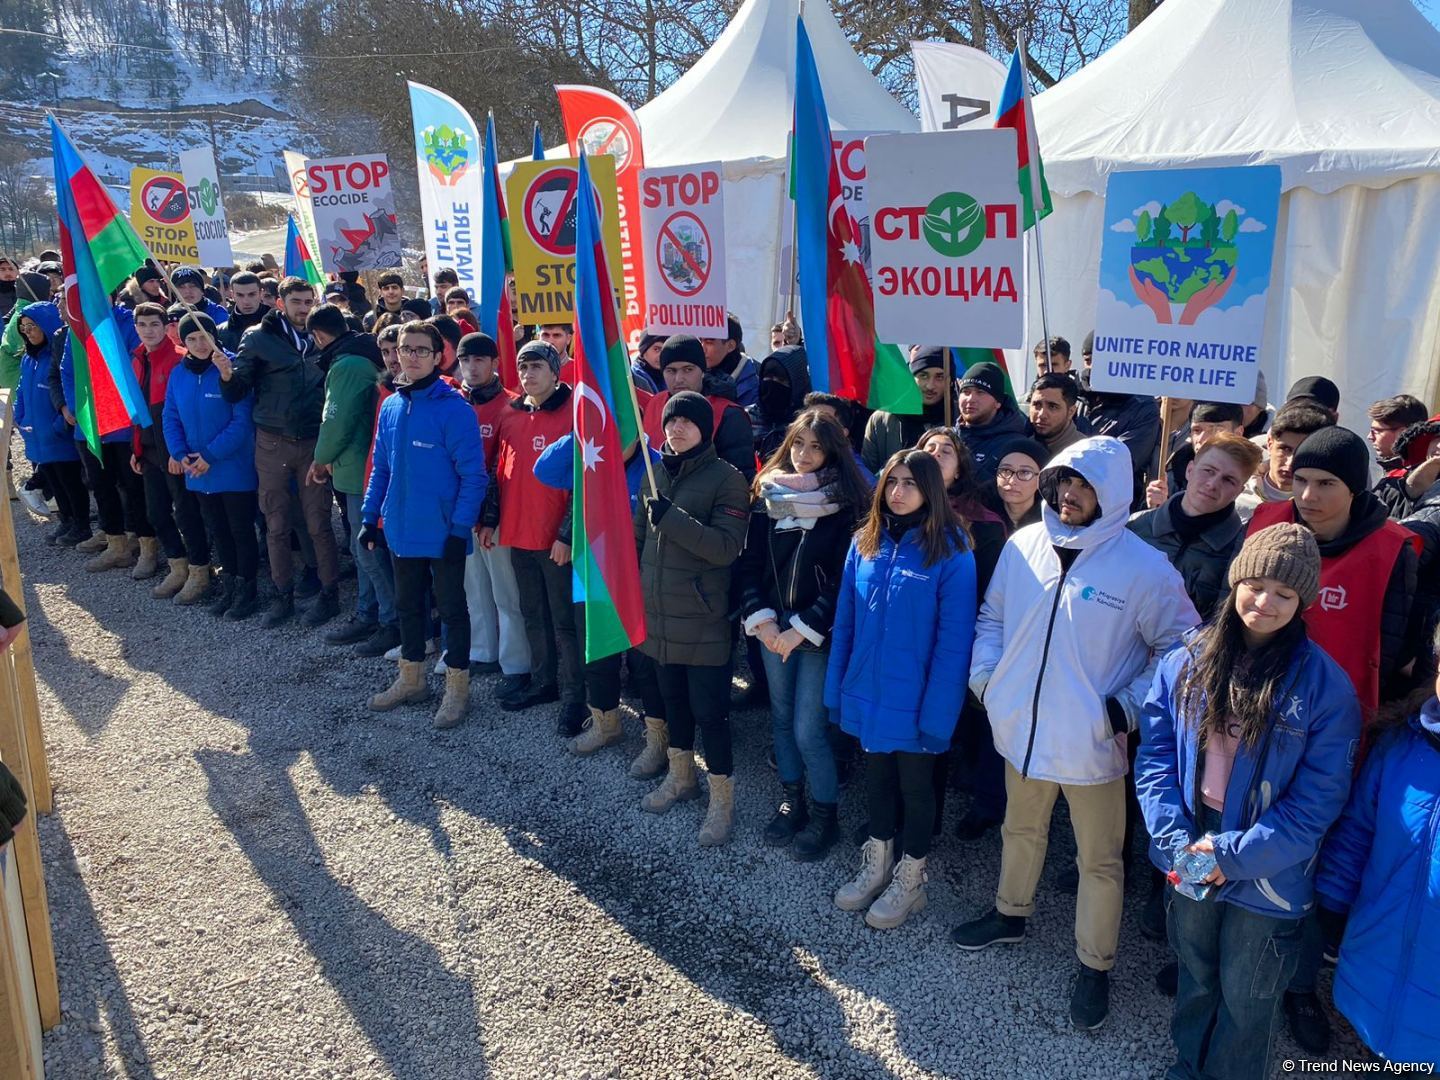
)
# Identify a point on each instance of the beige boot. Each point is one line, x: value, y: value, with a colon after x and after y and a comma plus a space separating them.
x: 148, y: 565
x: 678, y: 786
x: 604, y: 729
x: 116, y: 555
x: 870, y: 882
x: 97, y: 542
x: 456, y: 702
x: 906, y: 894
x: 173, y: 581
x: 197, y: 586
x: 721, y: 814
x: 651, y: 761
x: 409, y: 685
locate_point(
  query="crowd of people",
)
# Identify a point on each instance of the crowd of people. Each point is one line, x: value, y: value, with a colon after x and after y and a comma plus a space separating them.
x: 1227, y: 642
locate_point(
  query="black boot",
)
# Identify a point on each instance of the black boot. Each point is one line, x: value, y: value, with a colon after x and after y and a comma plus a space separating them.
x: 282, y: 610
x: 244, y: 603
x: 1090, y: 1000
x: 789, y: 819
x: 1309, y: 1026
x: 571, y: 719
x: 814, y: 842
x: 223, y: 596
x: 325, y: 608
x: 65, y: 526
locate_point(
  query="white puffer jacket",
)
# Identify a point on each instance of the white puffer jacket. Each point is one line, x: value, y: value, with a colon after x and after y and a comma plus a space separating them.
x: 1052, y: 645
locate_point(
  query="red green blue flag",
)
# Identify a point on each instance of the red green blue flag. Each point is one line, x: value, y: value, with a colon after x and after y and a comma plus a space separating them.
x: 836, y: 303
x: 606, y: 567
x: 496, y: 262
x: 99, y: 251
x: 1015, y: 112
x: 298, y: 261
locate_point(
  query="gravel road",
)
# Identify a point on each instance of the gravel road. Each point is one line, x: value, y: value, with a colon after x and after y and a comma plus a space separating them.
x: 253, y: 877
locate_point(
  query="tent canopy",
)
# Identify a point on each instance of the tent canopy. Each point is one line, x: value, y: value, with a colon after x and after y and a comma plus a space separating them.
x: 1336, y: 92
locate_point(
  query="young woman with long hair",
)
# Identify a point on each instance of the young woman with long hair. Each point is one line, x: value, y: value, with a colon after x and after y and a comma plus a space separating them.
x: 1247, y: 739
x: 899, y: 657
x: 807, y: 500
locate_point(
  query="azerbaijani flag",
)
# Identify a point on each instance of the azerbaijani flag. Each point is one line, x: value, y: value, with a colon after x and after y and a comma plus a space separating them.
x: 537, y: 150
x: 99, y: 250
x: 836, y: 304
x: 606, y: 566
x: 496, y: 262
x: 298, y: 262
x: 1015, y: 112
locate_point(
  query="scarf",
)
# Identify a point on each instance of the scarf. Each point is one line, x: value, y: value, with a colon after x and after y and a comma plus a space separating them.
x: 798, y: 500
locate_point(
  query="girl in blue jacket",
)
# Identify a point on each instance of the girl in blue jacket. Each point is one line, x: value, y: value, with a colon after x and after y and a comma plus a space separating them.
x: 48, y: 444
x: 1381, y: 864
x: 1248, y: 737
x: 899, y: 659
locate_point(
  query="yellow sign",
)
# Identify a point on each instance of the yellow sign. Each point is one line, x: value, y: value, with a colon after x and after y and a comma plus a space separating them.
x: 160, y: 212
x: 540, y: 201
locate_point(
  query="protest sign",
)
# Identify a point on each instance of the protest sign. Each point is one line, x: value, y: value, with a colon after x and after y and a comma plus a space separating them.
x: 945, y: 238
x: 957, y: 86
x: 295, y: 165
x: 354, y: 210
x: 207, y: 208
x: 682, y: 217
x: 160, y: 214
x: 541, y: 200
x: 447, y: 159
x: 1184, y: 275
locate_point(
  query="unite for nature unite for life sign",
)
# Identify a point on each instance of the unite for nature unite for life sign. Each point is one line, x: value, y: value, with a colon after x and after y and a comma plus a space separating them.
x: 540, y: 198
x: 1184, y: 276
x: 160, y: 214
x: 682, y: 218
x: 947, y: 249
x: 354, y: 209
x: 447, y: 157
x: 207, y: 208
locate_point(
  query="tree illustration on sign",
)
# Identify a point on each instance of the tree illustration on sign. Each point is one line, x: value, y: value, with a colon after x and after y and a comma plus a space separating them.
x: 1194, y: 270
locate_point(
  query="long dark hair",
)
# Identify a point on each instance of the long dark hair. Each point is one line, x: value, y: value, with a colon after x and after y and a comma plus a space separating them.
x: 940, y: 533
x: 1225, y: 679
x: 964, y: 491
x: 849, y: 485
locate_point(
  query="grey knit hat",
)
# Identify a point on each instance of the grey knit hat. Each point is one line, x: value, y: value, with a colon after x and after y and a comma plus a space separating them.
x: 1285, y: 552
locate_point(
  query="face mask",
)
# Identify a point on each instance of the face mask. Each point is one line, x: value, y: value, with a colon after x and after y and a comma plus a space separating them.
x: 774, y: 398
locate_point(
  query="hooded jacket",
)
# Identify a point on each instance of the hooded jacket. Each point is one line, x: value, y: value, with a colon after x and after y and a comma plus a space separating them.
x: 1381, y: 864
x: 778, y: 403
x: 744, y: 373
x: 1203, y: 562
x: 199, y: 420
x: 47, y: 436
x: 353, y: 366
x: 1054, y: 645
x: 289, y: 387
x: 1282, y: 796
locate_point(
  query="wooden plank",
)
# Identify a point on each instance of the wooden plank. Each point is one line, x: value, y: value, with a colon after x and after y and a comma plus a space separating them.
x: 21, y: 1055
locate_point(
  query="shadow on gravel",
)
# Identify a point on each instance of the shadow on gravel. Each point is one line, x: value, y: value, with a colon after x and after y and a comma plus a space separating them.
x: 380, y: 972
x: 92, y: 994
x: 83, y: 679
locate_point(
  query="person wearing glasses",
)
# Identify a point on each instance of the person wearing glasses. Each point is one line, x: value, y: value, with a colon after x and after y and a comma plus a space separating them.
x: 1388, y: 418
x: 1017, y: 481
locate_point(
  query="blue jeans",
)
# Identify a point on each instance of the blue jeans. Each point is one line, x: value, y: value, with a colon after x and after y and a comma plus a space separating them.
x: 800, y: 721
x: 374, y: 574
x: 1234, y: 968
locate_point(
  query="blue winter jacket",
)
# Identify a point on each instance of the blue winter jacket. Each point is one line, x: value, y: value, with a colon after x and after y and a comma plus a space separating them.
x: 428, y: 481
x: 47, y: 436
x: 198, y: 420
x: 1283, y: 794
x: 900, y: 647
x: 1381, y: 863
x: 125, y: 322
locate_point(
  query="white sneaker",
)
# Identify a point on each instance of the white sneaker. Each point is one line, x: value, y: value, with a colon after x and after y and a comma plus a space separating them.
x: 432, y: 648
x: 35, y: 502
x: 440, y: 666
x: 393, y: 654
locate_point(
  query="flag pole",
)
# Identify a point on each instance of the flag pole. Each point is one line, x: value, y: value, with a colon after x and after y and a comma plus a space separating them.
x: 794, y: 218
x: 644, y: 438
x: 1037, y: 196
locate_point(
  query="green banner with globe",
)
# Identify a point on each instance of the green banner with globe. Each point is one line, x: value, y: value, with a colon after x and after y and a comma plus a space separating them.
x: 447, y: 162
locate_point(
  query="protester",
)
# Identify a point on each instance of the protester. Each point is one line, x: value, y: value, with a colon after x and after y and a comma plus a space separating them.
x: 784, y: 382
x: 48, y: 443
x: 887, y: 433
x: 247, y: 308
x: 682, y: 360
x: 893, y: 678
x: 807, y: 500
x: 1293, y: 424
x: 988, y: 417
x: 1054, y: 400
x: 9, y: 293
x: 1017, y: 480
x: 689, y: 534
x: 1388, y: 418
x: 428, y: 483
x: 844, y: 412
x: 559, y: 336
x: 726, y: 356
x: 1207, y: 420
x: 189, y: 283
x: 1074, y: 618
x: 1247, y: 704
x: 645, y: 367
x: 359, y: 303
x: 393, y: 301
x: 1053, y: 357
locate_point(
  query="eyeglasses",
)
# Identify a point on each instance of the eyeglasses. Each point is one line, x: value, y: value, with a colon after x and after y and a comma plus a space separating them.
x: 1023, y: 475
x: 419, y: 354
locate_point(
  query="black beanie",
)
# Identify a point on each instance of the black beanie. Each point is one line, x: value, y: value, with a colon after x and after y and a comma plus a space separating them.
x: 930, y: 356
x: 193, y: 322
x: 1339, y: 451
x: 148, y: 273
x: 987, y: 377
x: 476, y: 344
x: 1034, y: 449
x: 646, y: 341
x: 692, y: 407
x: 1319, y: 388
x: 682, y: 349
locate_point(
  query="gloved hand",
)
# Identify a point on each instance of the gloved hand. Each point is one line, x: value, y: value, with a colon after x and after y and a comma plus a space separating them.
x: 1119, y: 722
x: 655, y: 508
x: 454, y: 550
x: 930, y: 744
x: 371, y: 537
x: 12, y: 804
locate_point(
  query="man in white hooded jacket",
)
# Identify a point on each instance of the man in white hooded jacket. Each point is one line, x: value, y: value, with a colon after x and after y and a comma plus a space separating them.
x: 1077, y: 614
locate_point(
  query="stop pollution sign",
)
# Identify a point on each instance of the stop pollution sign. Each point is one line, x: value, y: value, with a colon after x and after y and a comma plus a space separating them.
x: 682, y: 217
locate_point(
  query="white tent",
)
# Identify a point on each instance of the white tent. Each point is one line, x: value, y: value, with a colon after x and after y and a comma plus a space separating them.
x: 1343, y: 95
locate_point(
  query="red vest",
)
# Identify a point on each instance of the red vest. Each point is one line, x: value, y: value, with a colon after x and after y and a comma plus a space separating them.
x: 530, y: 512
x: 1345, y: 619
x: 654, y: 411
x: 488, y: 413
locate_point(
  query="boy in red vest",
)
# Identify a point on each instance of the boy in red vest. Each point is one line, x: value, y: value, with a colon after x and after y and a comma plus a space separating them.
x: 682, y: 362
x: 1368, y: 567
x: 529, y: 517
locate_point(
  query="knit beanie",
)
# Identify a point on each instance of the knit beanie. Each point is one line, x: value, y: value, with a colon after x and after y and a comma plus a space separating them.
x: 987, y: 377
x: 540, y: 350
x: 148, y: 273
x: 682, y: 349
x: 1035, y: 450
x: 1339, y: 451
x: 1286, y: 552
x: 692, y: 407
x: 1319, y: 388
x: 187, y: 275
x: 648, y: 340
x: 192, y: 322
x: 476, y: 344
x: 931, y: 356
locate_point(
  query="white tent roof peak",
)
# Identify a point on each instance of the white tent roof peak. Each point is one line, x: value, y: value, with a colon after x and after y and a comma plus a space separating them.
x: 1336, y: 92
x: 736, y: 102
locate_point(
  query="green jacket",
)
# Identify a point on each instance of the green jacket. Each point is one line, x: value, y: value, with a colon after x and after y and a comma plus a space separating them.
x: 685, y: 561
x: 12, y: 348
x: 347, y: 424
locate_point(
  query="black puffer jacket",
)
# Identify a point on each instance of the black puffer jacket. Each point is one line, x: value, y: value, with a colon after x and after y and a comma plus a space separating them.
x: 1203, y: 562
x: 734, y: 438
x: 795, y: 573
x: 289, y: 388
x: 235, y: 327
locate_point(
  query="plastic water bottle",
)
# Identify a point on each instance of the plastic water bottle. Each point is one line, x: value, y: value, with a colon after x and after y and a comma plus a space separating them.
x: 1190, y: 871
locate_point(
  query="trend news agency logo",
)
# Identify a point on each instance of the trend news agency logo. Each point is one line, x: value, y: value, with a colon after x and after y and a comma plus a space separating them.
x: 954, y: 224
x: 447, y: 153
